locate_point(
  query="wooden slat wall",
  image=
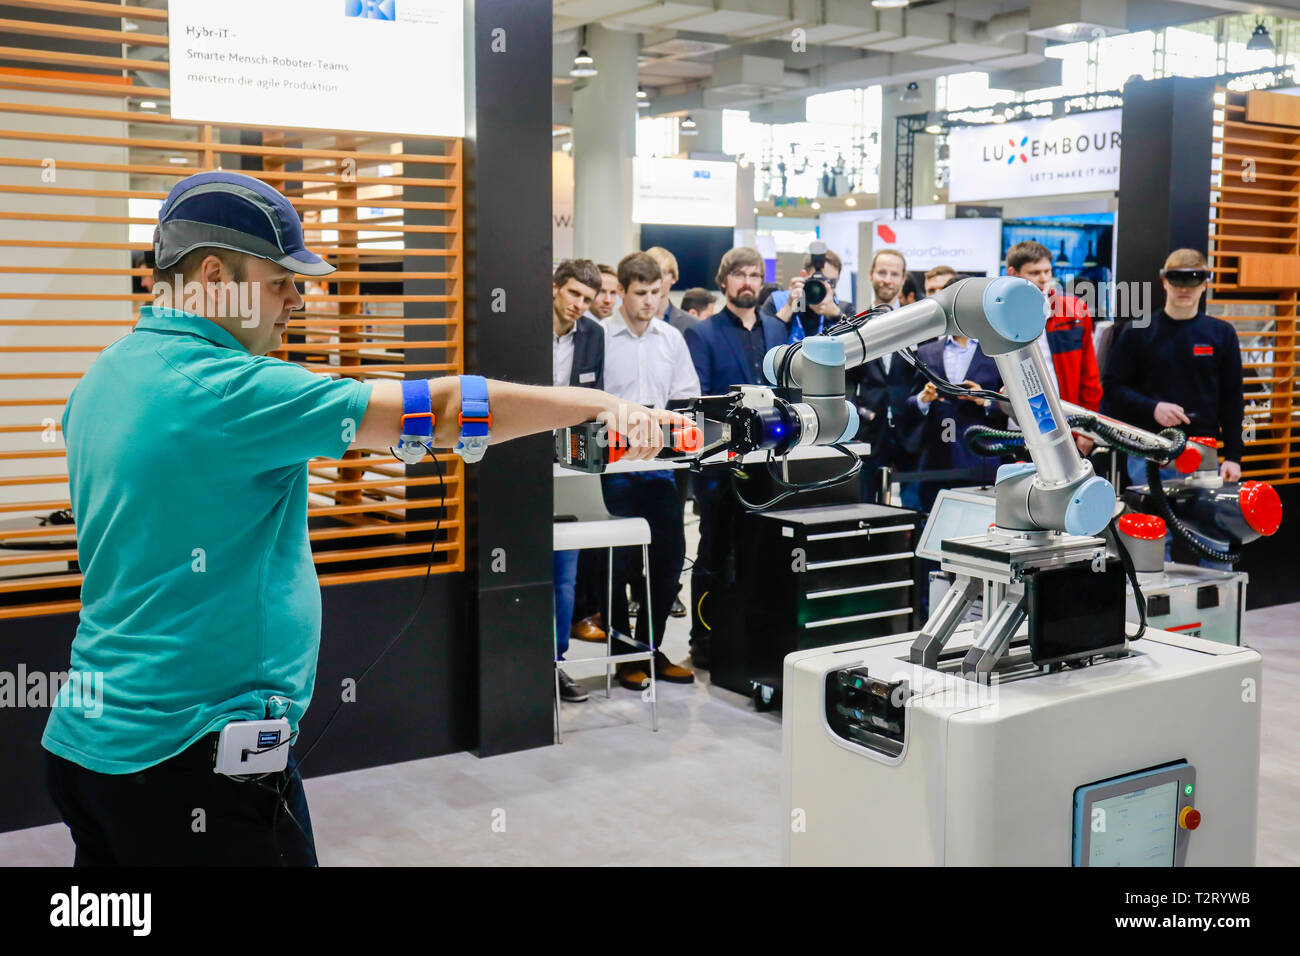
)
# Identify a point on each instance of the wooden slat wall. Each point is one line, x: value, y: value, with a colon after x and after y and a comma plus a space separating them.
x: 1255, y: 254
x: 370, y: 518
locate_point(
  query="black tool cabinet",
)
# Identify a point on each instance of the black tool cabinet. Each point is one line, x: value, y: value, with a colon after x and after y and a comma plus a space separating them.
x: 811, y: 577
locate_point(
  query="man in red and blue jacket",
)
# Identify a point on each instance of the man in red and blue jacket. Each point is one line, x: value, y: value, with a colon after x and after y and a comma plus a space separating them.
x: 1068, y: 339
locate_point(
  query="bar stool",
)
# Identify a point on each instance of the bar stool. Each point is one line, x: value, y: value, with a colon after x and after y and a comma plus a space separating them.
x: 579, y: 496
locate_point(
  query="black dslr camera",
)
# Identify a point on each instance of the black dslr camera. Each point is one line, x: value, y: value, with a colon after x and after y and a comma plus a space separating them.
x: 816, y: 287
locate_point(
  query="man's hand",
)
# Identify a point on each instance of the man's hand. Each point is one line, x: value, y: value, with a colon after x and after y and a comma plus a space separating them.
x: 827, y: 307
x: 928, y: 394
x: 1085, y: 444
x: 640, y: 427
x: 1168, y: 414
x: 972, y: 398
x: 793, y: 301
x: 1230, y: 471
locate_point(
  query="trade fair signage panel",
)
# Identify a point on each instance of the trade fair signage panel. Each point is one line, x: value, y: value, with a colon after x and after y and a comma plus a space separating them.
x: 968, y: 245
x: 1074, y: 154
x: 385, y: 66
x: 683, y: 192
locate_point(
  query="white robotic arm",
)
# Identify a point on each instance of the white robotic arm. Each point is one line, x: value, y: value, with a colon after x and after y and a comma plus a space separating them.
x: 1059, y: 491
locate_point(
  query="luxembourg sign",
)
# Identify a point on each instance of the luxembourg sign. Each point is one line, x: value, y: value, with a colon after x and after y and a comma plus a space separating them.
x: 1074, y: 154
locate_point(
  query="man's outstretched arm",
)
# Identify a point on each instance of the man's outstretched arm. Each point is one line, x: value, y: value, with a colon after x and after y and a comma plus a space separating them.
x: 517, y: 410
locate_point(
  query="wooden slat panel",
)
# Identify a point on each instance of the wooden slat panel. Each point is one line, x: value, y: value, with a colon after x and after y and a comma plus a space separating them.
x: 1261, y: 271
x: 1254, y: 246
x: 1278, y: 109
x: 364, y: 496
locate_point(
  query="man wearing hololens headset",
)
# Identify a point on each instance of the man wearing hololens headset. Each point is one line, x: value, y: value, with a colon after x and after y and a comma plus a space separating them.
x: 1181, y: 370
x: 187, y: 465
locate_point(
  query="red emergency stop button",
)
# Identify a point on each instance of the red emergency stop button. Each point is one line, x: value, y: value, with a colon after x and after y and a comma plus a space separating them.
x: 1189, y: 818
x: 1142, y: 527
x: 1261, y: 507
x: 1190, y: 459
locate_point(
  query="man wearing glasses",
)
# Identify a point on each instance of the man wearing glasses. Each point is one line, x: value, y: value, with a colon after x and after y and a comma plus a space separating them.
x: 728, y: 349
x: 814, y: 319
x: 1181, y: 370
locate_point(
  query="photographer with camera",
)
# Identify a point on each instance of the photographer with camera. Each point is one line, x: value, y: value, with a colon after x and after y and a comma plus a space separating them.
x: 811, y: 296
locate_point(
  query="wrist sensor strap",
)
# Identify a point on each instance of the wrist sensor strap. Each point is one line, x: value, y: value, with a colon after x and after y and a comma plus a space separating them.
x: 417, y: 421
x: 475, y: 418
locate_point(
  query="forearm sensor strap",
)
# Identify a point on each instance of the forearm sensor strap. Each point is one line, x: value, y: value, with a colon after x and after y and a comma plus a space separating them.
x: 475, y: 418
x: 417, y: 421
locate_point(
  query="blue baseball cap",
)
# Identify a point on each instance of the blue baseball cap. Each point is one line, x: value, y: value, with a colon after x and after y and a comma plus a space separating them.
x: 232, y: 211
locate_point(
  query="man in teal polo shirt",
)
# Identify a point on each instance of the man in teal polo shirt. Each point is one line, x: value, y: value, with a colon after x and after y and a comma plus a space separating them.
x: 187, y: 466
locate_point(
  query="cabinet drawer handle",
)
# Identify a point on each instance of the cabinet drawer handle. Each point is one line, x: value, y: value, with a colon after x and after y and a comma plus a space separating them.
x: 857, y: 617
x: 847, y: 562
x: 836, y: 592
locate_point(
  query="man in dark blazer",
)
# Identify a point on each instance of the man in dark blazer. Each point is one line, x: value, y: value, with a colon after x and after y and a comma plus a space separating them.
x: 880, y: 388
x: 578, y: 358
x: 727, y: 349
x: 941, y: 422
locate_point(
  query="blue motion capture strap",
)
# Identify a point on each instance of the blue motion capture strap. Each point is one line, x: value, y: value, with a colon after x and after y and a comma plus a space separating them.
x: 475, y: 417
x: 417, y: 420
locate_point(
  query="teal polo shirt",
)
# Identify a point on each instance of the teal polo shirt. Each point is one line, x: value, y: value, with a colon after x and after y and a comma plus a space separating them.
x: 187, y: 466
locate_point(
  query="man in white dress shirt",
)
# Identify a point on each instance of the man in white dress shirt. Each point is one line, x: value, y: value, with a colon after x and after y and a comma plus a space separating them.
x: 647, y: 358
x: 577, y: 358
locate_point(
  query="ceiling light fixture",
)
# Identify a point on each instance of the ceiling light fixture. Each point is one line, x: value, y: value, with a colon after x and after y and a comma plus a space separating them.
x: 850, y: 201
x: 911, y: 93
x: 1061, y: 258
x: 888, y: 4
x: 688, y: 127
x: 148, y: 105
x: 583, y: 64
x: 1260, y: 40
x: 816, y: 205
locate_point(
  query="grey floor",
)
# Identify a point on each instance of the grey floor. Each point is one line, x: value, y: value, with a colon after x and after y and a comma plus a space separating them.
x: 704, y: 790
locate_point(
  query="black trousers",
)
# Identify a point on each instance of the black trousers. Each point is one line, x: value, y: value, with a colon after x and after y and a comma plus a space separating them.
x: 180, y: 813
x: 654, y: 497
x: 718, y: 510
x: 886, y: 452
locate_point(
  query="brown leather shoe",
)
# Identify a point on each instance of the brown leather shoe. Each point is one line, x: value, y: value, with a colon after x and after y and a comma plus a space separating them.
x: 673, y: 673
x: 634, y: 675
x: 588, y: 629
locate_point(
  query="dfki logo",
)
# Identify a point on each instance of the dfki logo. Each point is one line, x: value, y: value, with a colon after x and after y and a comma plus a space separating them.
x: 371, y: 9
x: 1015, y: 150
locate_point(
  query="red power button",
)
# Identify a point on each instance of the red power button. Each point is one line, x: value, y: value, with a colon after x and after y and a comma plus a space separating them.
x: 1189, y: 818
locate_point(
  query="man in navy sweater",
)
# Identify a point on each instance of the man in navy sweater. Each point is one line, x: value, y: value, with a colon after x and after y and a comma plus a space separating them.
x: 727, y: 349
x: 1181, y: 370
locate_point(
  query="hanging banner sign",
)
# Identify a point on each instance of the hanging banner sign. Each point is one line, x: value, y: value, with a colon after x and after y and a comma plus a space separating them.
x: 683, y: 192
x: 384, y: 66
x: 1074, y: 154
